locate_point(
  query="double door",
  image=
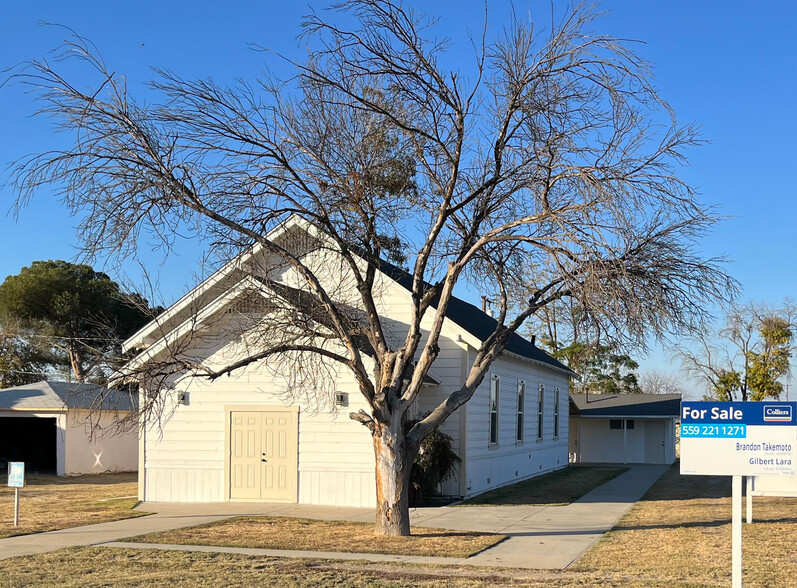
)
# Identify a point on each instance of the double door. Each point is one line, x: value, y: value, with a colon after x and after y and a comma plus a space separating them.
x: 264, y: 455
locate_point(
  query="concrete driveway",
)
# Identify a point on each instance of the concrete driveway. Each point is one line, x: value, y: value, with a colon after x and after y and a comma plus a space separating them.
x: 549, y: 537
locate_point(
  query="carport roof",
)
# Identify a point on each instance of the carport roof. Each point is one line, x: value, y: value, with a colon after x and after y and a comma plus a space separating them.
x: 60, y: 395
x: 627, y: 405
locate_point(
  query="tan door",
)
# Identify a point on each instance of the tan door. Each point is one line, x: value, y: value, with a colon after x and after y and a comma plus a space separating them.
x: 263, y: 456
x: 245, y: 442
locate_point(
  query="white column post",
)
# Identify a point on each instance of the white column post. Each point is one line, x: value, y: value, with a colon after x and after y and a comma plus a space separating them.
x: 736, y: 533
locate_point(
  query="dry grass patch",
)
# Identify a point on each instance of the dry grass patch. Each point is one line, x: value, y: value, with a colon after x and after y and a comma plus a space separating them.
x: 312, y: 535
x: 555, y: 489
x: 48, y: 503
x: 678, y: 536
x: 93, y: 567
x: 681, y: 531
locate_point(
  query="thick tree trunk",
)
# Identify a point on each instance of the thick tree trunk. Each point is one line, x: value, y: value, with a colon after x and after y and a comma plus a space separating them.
x: 393, y: 465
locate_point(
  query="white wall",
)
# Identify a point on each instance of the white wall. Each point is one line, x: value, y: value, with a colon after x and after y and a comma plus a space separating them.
x: 107, y: 452
x: 185, y: 457
x: 490, y: 466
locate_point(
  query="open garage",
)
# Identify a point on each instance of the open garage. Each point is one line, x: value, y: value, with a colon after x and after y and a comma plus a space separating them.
x: 29, y: 439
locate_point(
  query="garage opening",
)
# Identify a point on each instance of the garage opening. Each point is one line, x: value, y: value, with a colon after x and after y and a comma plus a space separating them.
x: 29, y: 439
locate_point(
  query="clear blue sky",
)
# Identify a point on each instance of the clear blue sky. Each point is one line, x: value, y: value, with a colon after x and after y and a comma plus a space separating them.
x: 729, y: 66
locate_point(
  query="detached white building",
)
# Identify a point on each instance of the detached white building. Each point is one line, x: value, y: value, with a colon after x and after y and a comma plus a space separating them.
x: 624, y: 428
x: 251, y: 437
x: 60, y: 427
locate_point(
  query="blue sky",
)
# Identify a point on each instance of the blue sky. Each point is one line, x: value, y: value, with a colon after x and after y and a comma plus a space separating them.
x: 729, y: 66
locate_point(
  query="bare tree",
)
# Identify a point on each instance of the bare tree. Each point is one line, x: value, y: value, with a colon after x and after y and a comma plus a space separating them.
x: 557, y: 152
x: 656, y: 382
x: 748, y: 358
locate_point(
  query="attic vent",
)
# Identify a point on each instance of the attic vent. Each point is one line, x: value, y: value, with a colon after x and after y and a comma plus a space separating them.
x: 341, y: 399
x: 250, y: 303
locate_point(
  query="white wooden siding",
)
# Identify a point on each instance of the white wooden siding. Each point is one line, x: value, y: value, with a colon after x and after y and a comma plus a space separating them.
x: 185, y: 460
x: 490, y: 466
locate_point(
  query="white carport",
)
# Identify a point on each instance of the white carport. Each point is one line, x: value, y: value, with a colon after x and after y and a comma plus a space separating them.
x: 49, y: 426
x: 623, y: 428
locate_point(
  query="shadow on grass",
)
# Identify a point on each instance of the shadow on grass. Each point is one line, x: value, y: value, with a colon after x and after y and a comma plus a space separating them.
x: 104, y: 479
x: 673, y: 486
x: 701, y: 524
x: 443, y: 534
x: 557, y: 488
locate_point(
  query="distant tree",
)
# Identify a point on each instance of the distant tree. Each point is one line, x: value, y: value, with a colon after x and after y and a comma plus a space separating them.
x: 82, y: 314
x: 655, y: 382
x: 748, y: 358
x: 20, y: 362
x: 604, y: 369
x: 573, y: 337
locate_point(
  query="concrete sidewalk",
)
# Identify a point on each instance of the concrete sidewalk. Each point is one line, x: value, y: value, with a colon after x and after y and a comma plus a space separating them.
x: 539, y: 537
x: 553, y: 537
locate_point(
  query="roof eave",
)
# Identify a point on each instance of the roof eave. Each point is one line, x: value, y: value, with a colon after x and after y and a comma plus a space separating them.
x: 567, y: 372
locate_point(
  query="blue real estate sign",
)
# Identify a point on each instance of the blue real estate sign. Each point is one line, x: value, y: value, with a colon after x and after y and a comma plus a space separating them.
x: 739, y: 438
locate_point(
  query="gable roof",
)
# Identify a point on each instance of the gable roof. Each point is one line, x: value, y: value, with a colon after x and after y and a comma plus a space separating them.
x: 627, y: 405
x: 465, y: 315
x: 63, y: 395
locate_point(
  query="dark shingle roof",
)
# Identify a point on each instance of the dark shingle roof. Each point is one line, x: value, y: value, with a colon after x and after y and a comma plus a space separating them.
x: 476, y: 322
x: 627, y: 405
x: 60, y: 395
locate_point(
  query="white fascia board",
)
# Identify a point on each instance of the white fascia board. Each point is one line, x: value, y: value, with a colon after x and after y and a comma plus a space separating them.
x: 239, y: 262
x: 188, y: 325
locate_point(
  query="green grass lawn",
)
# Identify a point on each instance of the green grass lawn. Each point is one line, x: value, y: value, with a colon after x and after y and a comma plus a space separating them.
x: 555, y: 489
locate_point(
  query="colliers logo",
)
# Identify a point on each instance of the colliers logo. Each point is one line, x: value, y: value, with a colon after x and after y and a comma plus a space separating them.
x: 777, y: 413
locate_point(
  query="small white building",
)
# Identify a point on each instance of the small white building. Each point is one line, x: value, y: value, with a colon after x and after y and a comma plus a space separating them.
x: 623, y: 428
x: 210, y: 447
x: 66, y: 429
x: 774, y: 486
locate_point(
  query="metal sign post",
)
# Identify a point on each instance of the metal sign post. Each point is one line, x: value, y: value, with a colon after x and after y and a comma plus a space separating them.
x: 16, y: 480
x: 738, y: 439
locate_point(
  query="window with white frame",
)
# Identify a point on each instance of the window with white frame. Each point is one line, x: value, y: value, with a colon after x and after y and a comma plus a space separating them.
x: 494, y: 393
x: 540, y: 406
x: 521, y: 402
x: 556, y: 414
